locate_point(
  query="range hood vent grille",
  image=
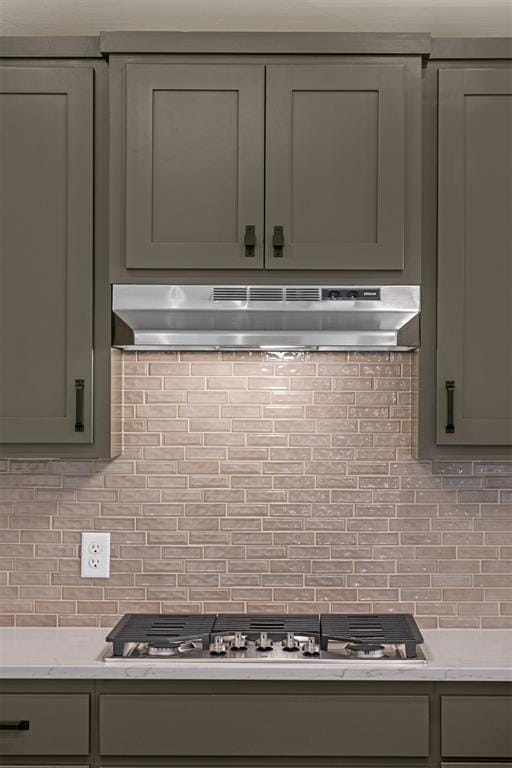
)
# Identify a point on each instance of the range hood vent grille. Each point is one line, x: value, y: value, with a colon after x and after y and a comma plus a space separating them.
x: 264, y: 293
x: 229, y: 293
x: 303, y: 294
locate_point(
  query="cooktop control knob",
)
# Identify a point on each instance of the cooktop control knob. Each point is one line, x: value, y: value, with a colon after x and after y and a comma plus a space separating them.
x: 290, y: 642
x: 238, y: 642
x: 311, y: 647
x: 218, y: 647
x: 264, y: 643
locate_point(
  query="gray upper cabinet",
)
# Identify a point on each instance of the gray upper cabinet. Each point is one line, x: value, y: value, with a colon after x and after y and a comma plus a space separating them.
x: 59, y: 393
x: 335, y: 181
x: 46, y: 254
x: 474, y: 355
x: 194, y: 166
x: 253, y: 165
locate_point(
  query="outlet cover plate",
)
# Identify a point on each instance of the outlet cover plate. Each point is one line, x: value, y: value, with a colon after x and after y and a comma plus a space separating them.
x: 95, y: 562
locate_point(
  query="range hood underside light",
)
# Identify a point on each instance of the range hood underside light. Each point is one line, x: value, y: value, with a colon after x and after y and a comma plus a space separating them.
x: 160, y: 317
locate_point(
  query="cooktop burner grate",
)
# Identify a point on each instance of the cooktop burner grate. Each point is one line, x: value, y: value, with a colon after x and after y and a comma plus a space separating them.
x: 155, y: 627
x: 375, y: 628
x: 275, y: 625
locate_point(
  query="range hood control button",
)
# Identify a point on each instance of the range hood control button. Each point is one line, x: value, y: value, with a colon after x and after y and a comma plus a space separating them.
x: 351, y: 294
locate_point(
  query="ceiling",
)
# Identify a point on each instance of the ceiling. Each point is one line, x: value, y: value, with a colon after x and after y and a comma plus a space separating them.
x: 449, y: 18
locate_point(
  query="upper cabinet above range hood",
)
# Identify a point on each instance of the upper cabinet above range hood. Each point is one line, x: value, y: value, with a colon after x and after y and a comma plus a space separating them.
x: 326, y: 317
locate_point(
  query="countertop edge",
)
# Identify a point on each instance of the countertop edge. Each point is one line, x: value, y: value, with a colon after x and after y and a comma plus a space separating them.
x: 255, y: 672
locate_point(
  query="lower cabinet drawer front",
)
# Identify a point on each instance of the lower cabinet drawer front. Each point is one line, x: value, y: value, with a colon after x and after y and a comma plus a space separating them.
x: 476, y: 765
x: 58, y: 724
x: 280, y: 725
x: 476, y: 726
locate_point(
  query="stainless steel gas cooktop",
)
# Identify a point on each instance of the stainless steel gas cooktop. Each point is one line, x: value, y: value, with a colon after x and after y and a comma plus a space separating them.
x: 266, y: 638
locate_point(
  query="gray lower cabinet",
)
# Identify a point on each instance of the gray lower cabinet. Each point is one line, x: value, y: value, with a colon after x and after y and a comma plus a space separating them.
x: 44, y: 724
x: 474, y: 349
x: 164, y: 724
x: 241, y: 722
x: 280, y: 163
x: 54, y: 317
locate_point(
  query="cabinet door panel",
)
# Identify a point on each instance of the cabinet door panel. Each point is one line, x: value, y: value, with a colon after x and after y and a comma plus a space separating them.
x: 46, y: 253
x: 476, y: 726
x: 166, y: 724
x: 194, y: 166
x: 55, y: 724
x: 335, y: 166
x: 475, y: 256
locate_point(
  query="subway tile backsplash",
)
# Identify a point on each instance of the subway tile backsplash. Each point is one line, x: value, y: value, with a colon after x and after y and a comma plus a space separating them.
x: 261, y: 482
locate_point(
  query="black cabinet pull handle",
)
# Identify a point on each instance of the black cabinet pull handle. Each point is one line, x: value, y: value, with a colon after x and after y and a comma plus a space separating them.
x: 79, y: 405
x: 14, y: 725
x: 250, y: 240
x: 278, y: 242
x: 450, y: 396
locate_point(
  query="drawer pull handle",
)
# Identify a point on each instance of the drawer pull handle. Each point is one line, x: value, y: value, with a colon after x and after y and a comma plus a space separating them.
x: 79, y: 405
x: 250, y: 239
x: 278, y: 242
x: 14, y: 725
x: 450, y: 397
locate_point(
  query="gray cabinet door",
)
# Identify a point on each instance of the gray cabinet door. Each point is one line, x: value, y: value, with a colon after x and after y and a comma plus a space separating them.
x: 475, y: 257
x: 194, y: 166
x: 335, y: 167
x: 46, y: 255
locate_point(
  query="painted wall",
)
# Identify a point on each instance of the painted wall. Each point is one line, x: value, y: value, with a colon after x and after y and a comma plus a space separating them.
x: 261, y: 482
x: 88, y: 17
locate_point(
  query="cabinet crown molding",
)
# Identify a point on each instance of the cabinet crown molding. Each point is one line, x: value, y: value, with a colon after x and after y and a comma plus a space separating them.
x: 55, y: 47
x: 266, y: 42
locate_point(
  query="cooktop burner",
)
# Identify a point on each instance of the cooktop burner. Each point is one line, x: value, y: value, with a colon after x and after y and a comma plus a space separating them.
x: 366, y: 650
x: 155, y: 628
x: 373, y: 629
x: 285, y: 638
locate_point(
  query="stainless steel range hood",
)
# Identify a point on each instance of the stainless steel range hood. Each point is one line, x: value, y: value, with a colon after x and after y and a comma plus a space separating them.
x: 276, y: 317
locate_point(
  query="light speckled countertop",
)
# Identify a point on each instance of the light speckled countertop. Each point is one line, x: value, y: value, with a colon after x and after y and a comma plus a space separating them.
x: 453, y: 654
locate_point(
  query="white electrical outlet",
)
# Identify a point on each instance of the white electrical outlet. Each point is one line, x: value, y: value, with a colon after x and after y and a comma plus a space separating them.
x: 95, y: 555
